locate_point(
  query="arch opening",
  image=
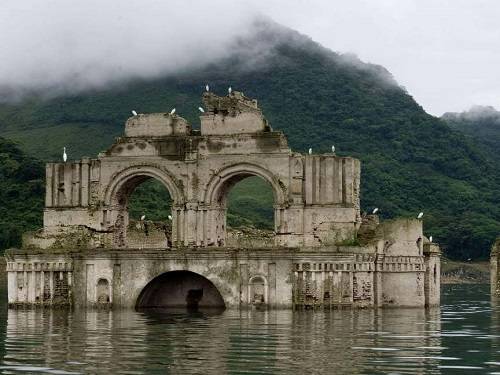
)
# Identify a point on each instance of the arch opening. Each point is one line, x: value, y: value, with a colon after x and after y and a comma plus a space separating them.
x: 258, y: 292
x: 180, y: 289
x: 103, y: 292
x: 144, y: 218
x: 246, y: 210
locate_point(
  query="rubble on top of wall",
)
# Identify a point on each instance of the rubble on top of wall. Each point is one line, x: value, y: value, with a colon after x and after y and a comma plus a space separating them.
x: 231, y: 105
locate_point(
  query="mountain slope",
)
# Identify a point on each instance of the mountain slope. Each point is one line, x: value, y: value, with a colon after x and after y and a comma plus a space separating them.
x: 21, y: 193
x: 481, y: 124
x: 411, y: 161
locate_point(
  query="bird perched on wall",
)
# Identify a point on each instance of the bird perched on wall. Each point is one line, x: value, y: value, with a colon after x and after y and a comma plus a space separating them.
x: 143, y: 217
x: 430, y: 239
x: 65, y: 156
x: 375, y: 210
x: 201, y: 110
x: 134, y: 113
x: 333, y: 149
x: 420, y: 215
x: 172, y: 111
x: 169, y: 217
x: 229, y: 90
x: 207, y: 89
x: 310, y: 151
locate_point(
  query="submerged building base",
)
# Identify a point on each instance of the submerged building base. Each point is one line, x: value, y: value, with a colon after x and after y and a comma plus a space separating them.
x: 277, y: 278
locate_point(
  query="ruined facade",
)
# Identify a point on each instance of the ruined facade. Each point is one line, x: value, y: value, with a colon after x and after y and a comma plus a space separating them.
x: 323, y: 252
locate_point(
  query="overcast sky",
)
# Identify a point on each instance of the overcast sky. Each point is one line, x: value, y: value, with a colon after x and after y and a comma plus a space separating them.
x: 445, y: 52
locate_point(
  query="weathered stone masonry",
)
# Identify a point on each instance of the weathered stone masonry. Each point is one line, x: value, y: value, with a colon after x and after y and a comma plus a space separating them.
x: 324, y: 253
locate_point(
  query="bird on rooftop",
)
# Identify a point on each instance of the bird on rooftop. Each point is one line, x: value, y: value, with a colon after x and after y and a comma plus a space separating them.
x: 169, y: 217
x: 207, y: 88
x: 172, y: 111
x: 420, y: 215
x: 201, y: 110
x: 333, y: 149
x: 65, y: 156
x: 430, y: 238
x: 229, y: 90
x: 375, y: 210
x: 310, y: 151
x: 134, y: 113
x: 143, y: 217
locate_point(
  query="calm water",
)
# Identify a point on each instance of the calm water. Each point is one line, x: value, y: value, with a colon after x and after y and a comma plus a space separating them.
x: 462, y: 337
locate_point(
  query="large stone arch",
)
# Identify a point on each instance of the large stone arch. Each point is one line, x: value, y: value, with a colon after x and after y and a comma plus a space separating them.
x: 218, y: 185
x: 123, y: 183
x: 119, y: 180
x: 217, y: 190
x: 181, y: 288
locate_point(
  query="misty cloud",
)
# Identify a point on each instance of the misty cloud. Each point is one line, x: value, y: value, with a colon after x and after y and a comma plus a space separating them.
x: 64, y: 46
x: 444, y: 51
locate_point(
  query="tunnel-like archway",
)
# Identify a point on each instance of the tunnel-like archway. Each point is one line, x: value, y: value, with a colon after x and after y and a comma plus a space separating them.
x: 180, y: 289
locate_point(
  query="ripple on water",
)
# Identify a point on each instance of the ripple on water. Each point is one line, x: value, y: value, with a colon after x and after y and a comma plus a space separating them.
x: 436, y: 341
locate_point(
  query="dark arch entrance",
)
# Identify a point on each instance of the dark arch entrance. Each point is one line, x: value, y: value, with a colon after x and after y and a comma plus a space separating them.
x: 180, y: 289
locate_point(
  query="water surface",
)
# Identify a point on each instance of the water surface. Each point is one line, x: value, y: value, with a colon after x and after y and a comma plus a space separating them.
x: 462, y: 337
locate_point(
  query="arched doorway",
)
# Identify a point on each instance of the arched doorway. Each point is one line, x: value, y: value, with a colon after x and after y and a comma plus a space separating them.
x: 143, y: 208
x: 260, y: 208
x: 180, y: 289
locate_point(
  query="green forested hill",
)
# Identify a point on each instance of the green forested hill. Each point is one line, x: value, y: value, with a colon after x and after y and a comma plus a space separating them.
x: 21, y: 193
x: 411, y: 161
x: 481, y: 124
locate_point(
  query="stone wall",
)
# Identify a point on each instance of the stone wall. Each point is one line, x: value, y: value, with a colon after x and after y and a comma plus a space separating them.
x: 495, y: 268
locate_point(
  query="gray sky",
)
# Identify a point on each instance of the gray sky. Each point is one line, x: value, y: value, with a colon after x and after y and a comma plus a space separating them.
x: 445, y: 52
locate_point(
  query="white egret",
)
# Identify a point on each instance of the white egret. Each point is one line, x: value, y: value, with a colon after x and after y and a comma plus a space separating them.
x: 143, y: 217
x: 201, y: 110
x: 207, y: 89
x: 229, y: 90
x: 420, y: 215
x: 430, y: 238
x: 169, y: 217
x: 310, y: 151
x: 134, y: 113
x: 375, y: 210
x: 333, y: 149
x: 65, y: 156
x: 172, y: 111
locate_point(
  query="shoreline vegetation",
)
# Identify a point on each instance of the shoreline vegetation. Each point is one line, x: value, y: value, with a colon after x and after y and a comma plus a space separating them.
x: 452, y: 272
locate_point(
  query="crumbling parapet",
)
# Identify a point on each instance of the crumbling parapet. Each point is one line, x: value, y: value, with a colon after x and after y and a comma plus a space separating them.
x: 495, y: 268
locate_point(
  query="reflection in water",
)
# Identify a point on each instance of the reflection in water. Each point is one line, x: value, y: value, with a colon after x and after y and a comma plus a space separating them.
x: 458, y: 338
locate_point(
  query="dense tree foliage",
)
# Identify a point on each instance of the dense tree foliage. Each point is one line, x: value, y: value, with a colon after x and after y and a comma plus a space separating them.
x: 411, y: 161
x: 21, y: 193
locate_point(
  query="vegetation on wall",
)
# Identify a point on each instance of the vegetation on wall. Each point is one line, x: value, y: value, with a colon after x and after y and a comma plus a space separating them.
x: 411, y: 161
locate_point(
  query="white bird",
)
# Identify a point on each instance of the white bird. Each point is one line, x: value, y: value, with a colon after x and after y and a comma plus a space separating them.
x: 201, y: 110
x: 420, y: 215
x: 172, y: 111
x: 134, y: 113
x: 229, y: 90
x: 333, y: 149
x: 430, y: 238
x: 169, y: 217
x: 310, y: 151
x: 65, y: 156
x: 143, y: 217
x: 207, y: 89
x: 375, y: 210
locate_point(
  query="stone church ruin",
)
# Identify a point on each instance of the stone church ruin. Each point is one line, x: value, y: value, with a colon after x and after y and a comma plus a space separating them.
x: 323, y: 253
